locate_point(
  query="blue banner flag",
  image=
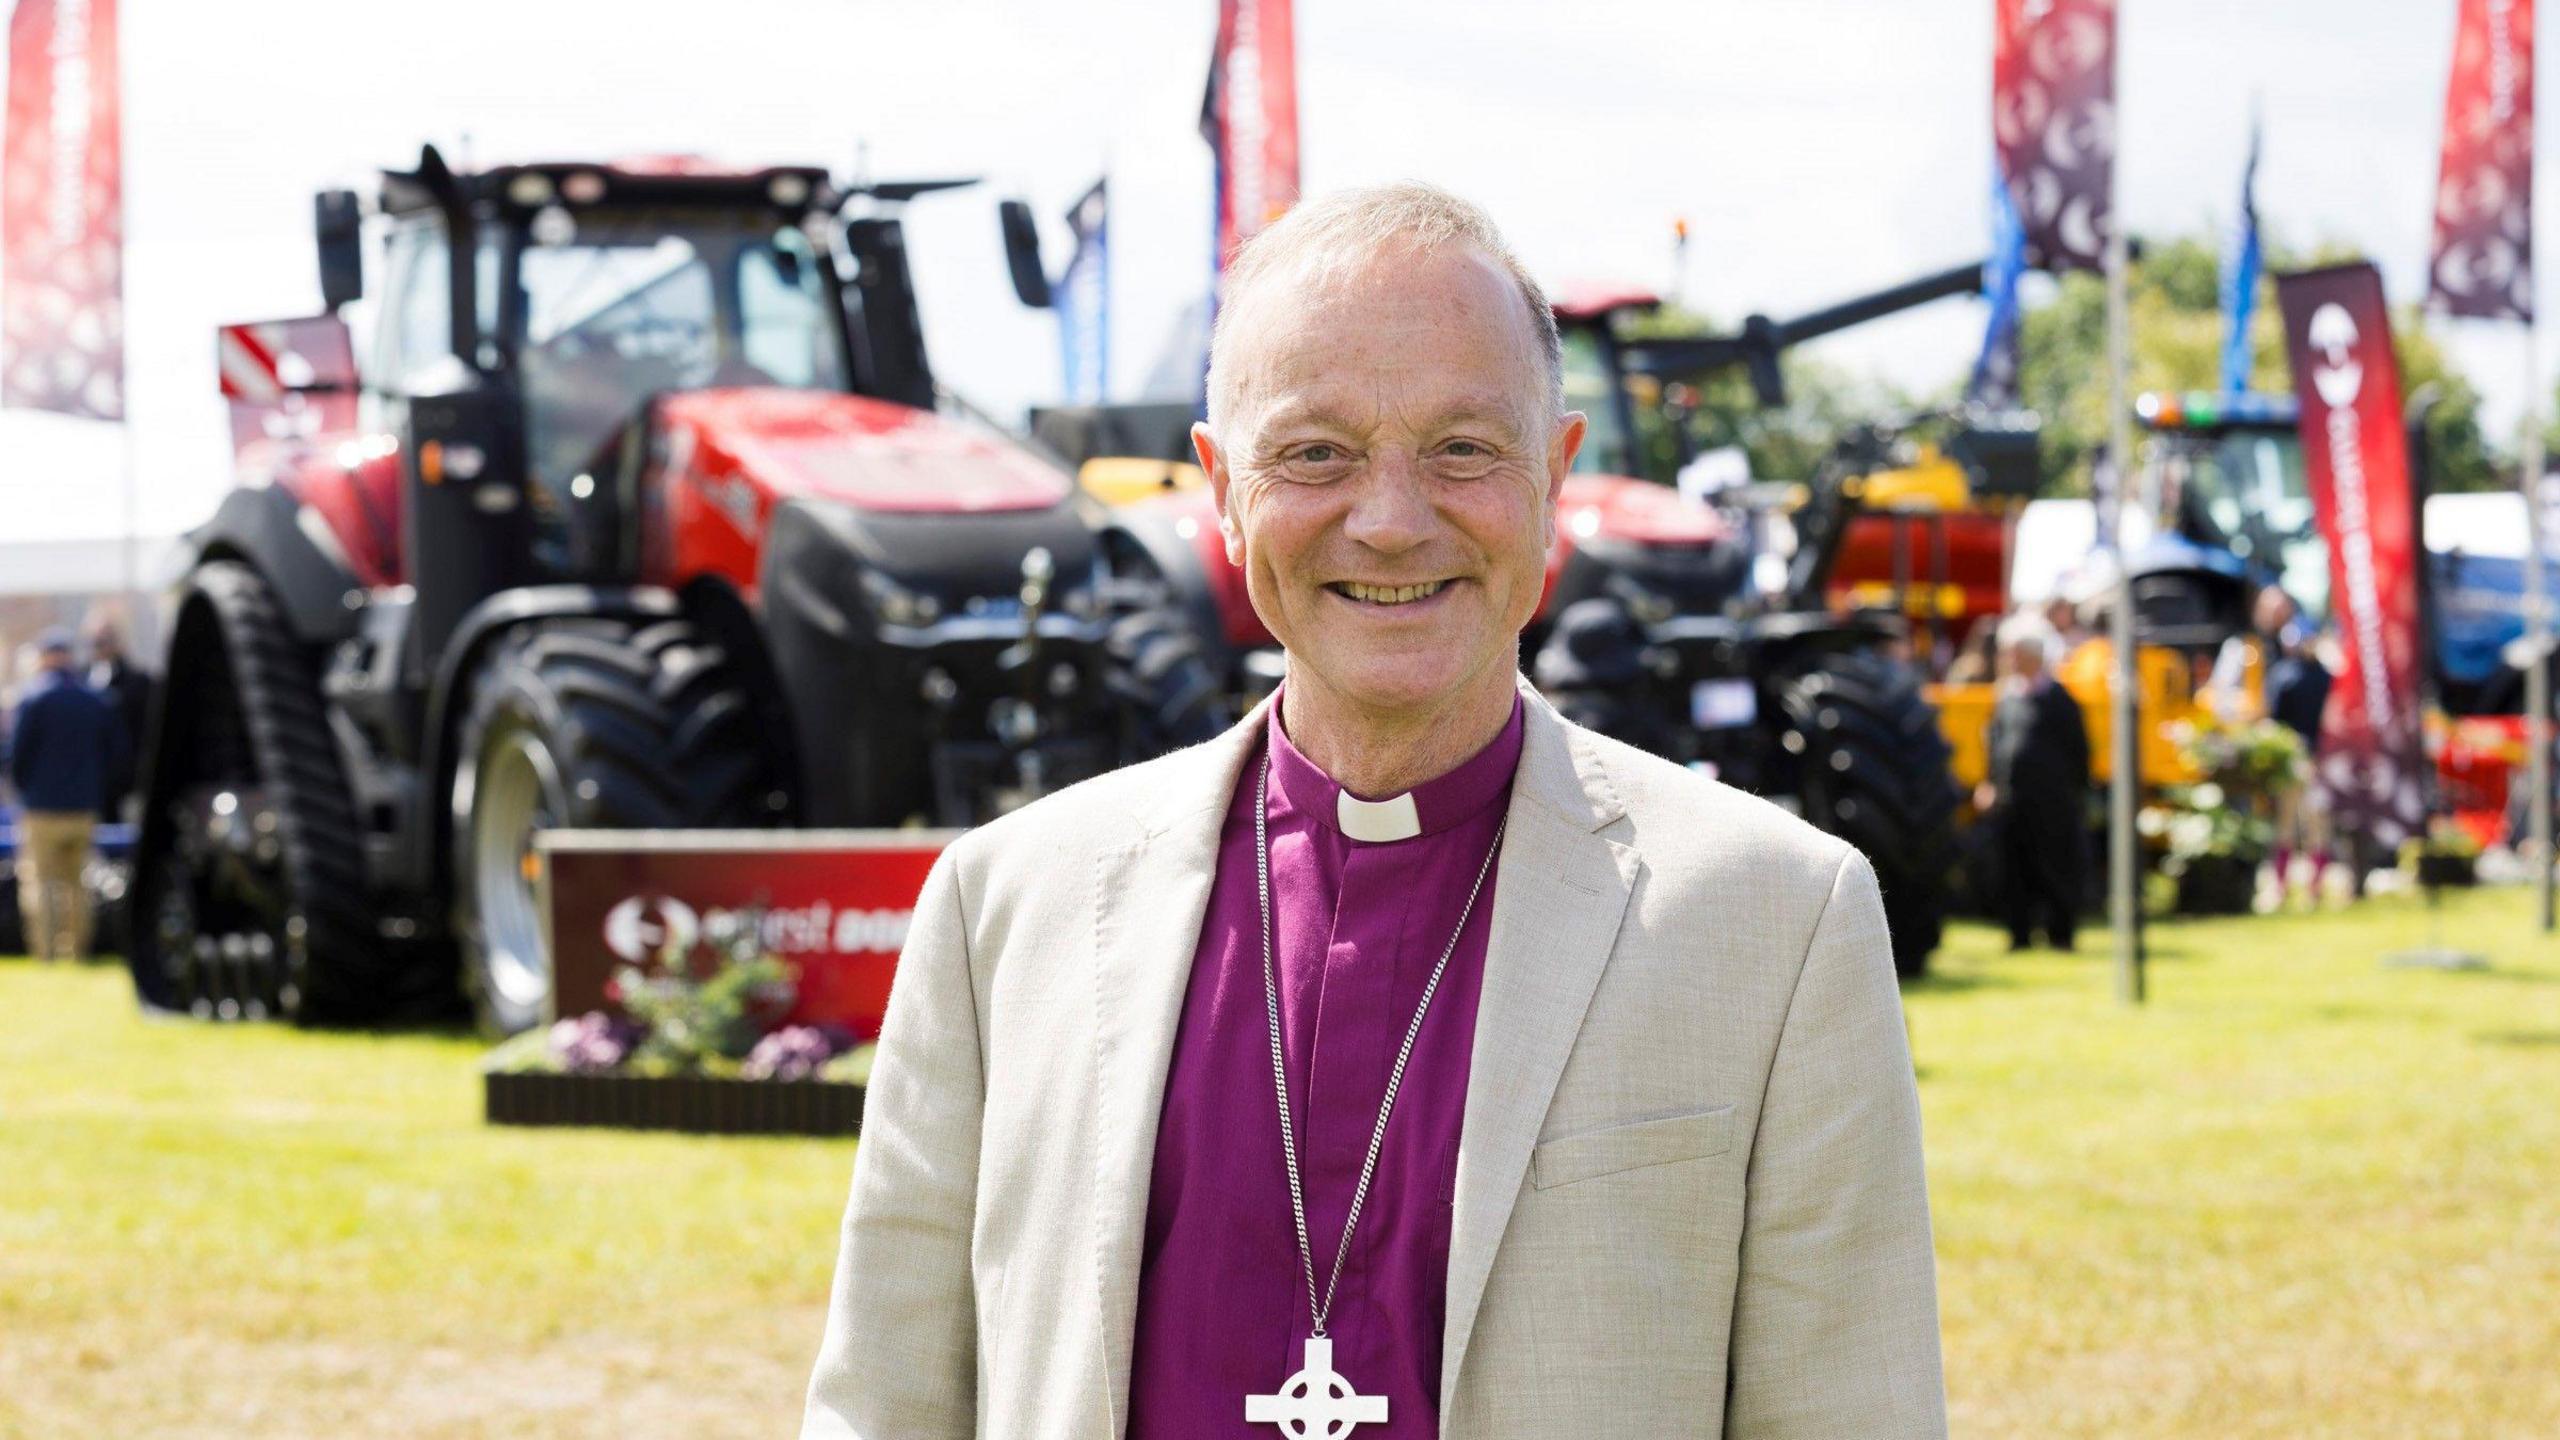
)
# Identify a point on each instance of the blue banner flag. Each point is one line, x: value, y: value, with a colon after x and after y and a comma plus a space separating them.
x: 2241, y: 261
x: 1995, y: 371
x: 1084, y: 300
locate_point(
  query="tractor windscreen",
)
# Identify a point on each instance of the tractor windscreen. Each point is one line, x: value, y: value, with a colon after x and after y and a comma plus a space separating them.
x: 629, y: 304
x: 2243, y: 489
x: 1591, y: 386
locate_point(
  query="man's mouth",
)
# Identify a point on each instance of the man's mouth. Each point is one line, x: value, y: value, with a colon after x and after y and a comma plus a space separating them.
x: 1386, y: 594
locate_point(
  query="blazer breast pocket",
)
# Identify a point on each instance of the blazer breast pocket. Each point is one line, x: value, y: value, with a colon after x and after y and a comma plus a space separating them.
x: 1637, y: 1146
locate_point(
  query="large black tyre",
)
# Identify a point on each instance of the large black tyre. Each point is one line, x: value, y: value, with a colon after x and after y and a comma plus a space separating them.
x: 1875, y: 773
x: 590, y: 722
x: 1167, y: 689
x: 249, y: 895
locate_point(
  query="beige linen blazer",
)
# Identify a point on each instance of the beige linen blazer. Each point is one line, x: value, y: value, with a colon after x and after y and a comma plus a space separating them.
x: 1689, y: 1198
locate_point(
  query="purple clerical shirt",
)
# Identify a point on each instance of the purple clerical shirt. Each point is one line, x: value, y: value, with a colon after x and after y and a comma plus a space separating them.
x: 1222, y: 1299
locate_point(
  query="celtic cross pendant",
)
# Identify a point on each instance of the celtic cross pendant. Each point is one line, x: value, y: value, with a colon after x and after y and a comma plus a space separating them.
x: 1315, y: 1403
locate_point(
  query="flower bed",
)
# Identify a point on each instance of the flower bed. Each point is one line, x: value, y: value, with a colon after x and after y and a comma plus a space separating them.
x: 696, y: 1045
x: 2209, y: 838
x: 2445, y: 855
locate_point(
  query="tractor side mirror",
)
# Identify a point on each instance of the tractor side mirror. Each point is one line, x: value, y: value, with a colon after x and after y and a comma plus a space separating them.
x: 340, y: 225
x: 1022, y: 253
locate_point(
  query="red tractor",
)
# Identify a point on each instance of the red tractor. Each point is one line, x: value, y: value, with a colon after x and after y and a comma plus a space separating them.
x: 642, y: 510
x: 1674, y: 624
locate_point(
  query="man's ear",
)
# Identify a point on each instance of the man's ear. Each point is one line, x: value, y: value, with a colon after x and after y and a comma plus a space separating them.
x: 1561, y: 449
x: 1213, y: 463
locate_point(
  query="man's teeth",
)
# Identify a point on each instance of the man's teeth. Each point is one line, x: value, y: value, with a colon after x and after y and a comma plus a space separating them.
x: 1390, y: 594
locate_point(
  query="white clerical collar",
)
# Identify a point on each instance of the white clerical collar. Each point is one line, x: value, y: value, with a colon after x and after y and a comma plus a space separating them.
x: 1377, y: 821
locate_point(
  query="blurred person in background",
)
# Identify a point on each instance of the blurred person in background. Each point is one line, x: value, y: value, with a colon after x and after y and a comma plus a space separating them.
x: 2062, y: 616
x: 2036, y: 797
x: 1978, y: 663
x: 128, y: 688
x: 2297, y: 687
x: 64, y: 743
x: 2275, y: 623
x: 2293, y: 691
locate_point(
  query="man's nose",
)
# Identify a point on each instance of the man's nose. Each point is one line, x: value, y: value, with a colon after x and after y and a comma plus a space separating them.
x: 1391, y: 511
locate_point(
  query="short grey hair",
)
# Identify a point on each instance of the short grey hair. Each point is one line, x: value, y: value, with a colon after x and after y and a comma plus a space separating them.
x: 1329, y: 235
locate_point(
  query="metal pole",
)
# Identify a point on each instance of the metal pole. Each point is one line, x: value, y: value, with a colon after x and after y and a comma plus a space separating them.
x: 2123, y: 867
x: 2537, y: 621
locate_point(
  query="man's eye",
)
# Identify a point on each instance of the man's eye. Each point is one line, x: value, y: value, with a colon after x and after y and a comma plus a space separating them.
x: 1465, y: 449
x: 1318, y: 454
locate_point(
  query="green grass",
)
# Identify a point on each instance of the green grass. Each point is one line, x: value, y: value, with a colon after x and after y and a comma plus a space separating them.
x: 249, y: 1231
x: 2295, y: 1195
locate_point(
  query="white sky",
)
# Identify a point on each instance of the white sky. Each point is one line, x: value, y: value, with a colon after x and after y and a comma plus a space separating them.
x: 1818, y: 148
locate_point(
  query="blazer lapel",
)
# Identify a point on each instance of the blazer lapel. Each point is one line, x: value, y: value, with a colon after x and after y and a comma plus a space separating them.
x: 1559, y: 895
x: 1150, y: 900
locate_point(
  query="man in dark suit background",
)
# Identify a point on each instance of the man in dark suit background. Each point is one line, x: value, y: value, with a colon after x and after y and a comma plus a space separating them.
x: 127, y: 687
x: 63, y: 745
x: 2037, y: 793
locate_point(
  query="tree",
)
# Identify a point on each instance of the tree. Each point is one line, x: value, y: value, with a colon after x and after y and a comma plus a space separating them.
x: 1787, y: 443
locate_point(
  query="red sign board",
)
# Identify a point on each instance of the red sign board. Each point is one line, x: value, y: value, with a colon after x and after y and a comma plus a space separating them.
x: 835, y: 903
x: 287, y: 382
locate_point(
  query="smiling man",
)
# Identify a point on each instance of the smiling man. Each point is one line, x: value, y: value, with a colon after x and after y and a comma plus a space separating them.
x: 1408, y: 1061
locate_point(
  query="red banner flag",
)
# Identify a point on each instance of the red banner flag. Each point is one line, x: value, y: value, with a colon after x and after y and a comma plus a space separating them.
x: 2053, y: 117
x: 1250, y: 118
x: 2355, y: 455
x: 2483, y: 257
x: 62, y: 213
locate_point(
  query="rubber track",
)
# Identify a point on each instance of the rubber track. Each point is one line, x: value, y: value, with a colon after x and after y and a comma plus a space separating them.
x: 351, y: 978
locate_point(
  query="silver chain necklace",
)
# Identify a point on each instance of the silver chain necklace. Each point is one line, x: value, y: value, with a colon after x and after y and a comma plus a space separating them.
x: 1316, y: 1397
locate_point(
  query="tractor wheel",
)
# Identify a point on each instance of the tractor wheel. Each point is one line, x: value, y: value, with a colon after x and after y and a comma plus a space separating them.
x: 248, y: 889
x: 1165, y: 683
x: 1875, y: 773
x: 592, y: 723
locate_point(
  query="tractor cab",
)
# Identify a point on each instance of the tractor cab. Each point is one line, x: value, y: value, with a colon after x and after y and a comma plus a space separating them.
x: 2227, y: 470
x: 1597, y: 380
x: 522, y: 319
x: 629, y: 501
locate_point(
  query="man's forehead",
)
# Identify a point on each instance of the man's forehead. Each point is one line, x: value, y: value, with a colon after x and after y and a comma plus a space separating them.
x: 1396, y: 275
x: 1442, y: 329
x: 1357, y: 399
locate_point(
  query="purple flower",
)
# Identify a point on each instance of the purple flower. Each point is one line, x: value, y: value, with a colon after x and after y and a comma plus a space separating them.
x: 592, y: 1043
x: 795, y: 1052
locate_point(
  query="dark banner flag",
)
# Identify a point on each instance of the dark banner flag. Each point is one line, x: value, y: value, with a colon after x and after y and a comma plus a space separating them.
x: 2483, y: 257
x: 1249, y: 116
x: 1084, y: 300
x: 2053, y: 116
x: 62, y: 213
x: 2355, y: 453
